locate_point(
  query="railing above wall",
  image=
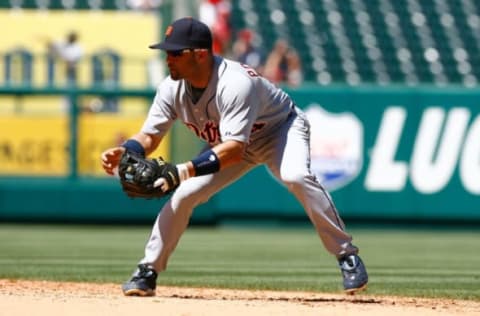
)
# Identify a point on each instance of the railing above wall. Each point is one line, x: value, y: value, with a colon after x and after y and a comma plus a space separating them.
x: 72, y: 94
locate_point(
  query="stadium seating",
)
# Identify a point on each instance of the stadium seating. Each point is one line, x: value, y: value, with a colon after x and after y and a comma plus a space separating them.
x: 372, y: 41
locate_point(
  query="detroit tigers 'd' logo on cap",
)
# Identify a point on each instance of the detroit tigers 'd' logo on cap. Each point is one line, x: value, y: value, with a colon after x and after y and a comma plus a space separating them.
x: 169, y: 30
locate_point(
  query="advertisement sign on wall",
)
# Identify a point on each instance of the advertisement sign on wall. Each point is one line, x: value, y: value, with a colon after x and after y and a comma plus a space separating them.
x: 40, y: 145
x: 411, y: 152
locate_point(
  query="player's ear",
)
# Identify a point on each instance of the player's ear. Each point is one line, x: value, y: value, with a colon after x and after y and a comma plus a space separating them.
x: 202, y: 55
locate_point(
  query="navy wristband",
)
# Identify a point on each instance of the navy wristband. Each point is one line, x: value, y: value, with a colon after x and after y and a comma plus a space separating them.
x: 206, y: 163
x: 135, y: 146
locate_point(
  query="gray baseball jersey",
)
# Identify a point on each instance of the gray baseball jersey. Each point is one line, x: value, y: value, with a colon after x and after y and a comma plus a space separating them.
x: 239, y: 105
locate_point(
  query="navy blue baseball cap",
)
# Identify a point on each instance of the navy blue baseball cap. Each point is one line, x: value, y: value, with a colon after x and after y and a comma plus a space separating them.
x: 185, y: 33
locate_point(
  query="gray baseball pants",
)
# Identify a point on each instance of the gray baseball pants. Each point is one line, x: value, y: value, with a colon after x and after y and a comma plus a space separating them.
x: 287, y: 155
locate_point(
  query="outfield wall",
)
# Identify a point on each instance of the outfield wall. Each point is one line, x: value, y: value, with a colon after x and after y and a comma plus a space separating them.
x: 390, y: 153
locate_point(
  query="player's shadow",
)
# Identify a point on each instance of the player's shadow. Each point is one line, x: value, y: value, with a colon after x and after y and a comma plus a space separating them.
x: 347, y: 299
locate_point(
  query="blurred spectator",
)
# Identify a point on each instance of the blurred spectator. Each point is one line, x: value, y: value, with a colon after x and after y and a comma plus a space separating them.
x: 68, y: 51
x: 294, y: 68
x: 246, y: 52
x: 283, y: 65
x: 216, y: 15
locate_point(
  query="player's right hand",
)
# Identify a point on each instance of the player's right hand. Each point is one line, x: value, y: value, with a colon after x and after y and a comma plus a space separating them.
x: 111, y: 158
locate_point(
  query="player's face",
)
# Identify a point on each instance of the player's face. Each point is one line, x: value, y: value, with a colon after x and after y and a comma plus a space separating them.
x: 181, y: 64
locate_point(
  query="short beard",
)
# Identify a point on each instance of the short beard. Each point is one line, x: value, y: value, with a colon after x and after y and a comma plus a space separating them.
x: 174, y: 76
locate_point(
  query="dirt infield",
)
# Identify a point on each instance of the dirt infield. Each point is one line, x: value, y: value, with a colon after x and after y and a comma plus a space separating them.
x: 19, y: 298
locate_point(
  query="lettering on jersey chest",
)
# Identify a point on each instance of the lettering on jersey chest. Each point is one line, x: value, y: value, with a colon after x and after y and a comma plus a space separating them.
x: 209, y: 132
x: 203, y: 117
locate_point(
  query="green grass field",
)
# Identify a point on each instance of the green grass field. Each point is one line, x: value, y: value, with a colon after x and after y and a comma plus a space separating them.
x: 414, y: 262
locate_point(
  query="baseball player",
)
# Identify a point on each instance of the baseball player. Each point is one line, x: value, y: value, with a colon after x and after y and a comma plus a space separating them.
x: 247, y: 121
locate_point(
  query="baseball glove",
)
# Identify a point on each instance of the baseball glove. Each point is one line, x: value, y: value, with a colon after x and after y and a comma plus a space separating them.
x: 138, y: 176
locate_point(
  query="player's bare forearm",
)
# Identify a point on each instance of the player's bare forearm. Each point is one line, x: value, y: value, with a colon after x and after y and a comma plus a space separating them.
x: 149, y: 142
x: 229, y: 152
